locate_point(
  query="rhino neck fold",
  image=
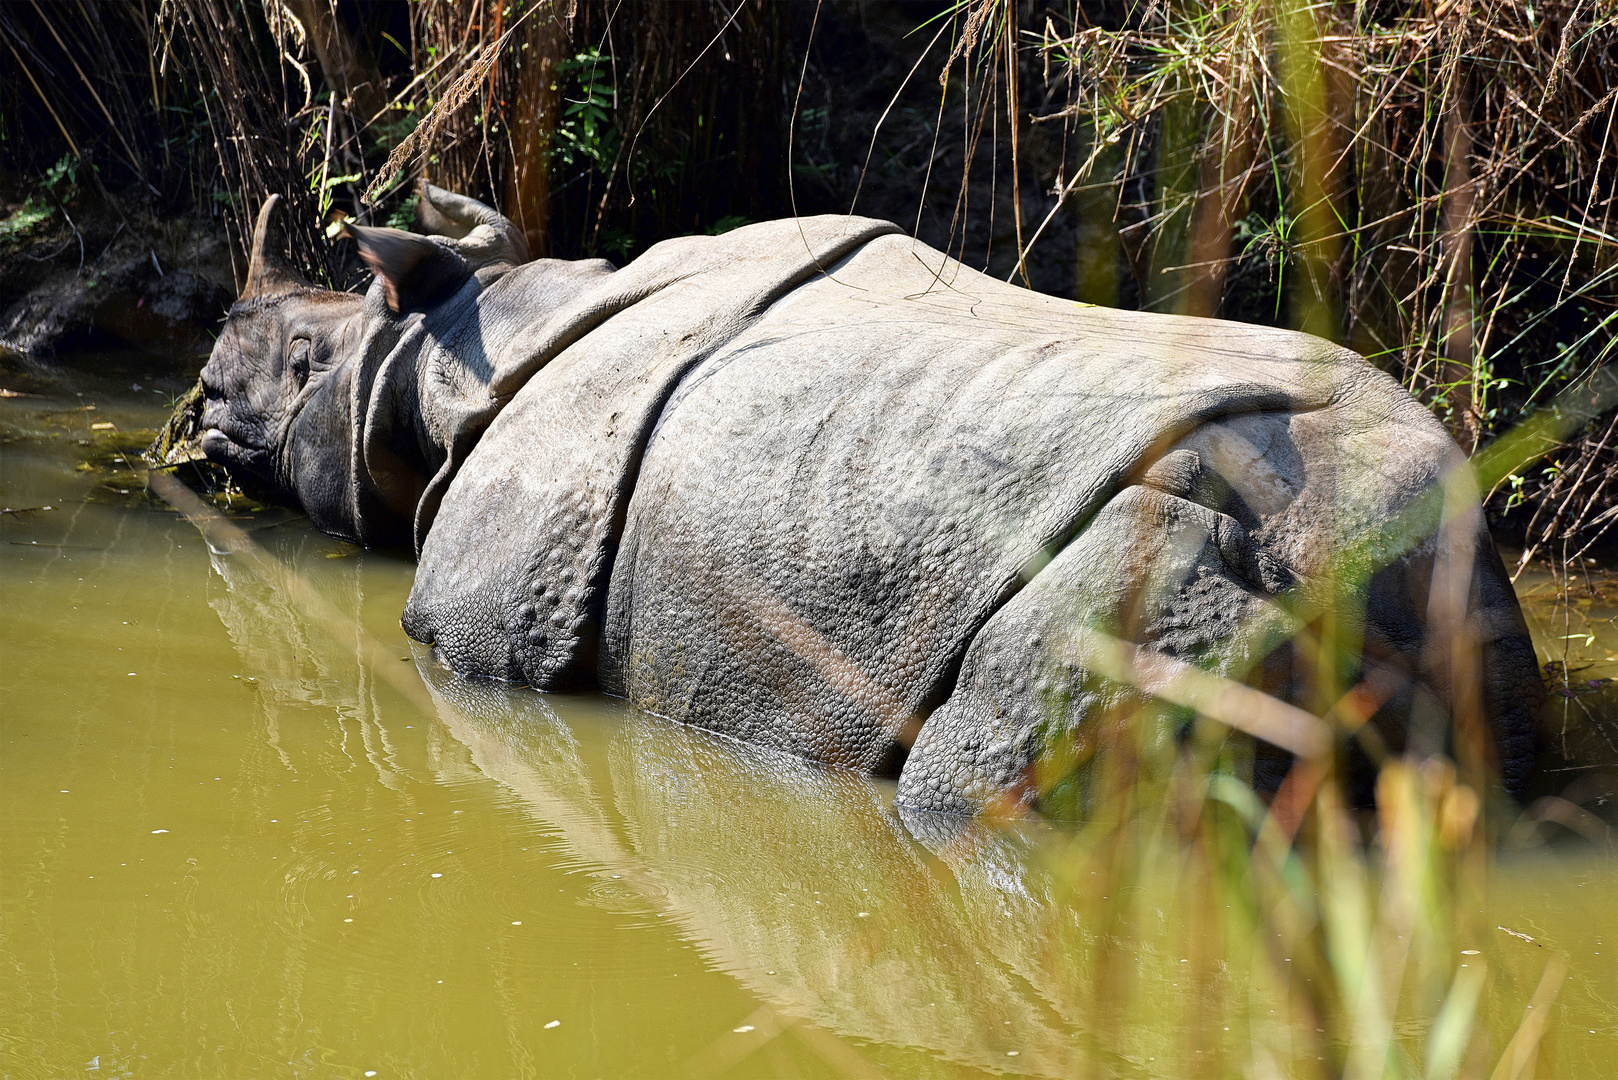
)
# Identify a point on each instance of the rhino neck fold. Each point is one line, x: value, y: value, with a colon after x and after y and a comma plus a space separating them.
x: 371, y: 452
x: 360, y: 451
x: 318, y: 462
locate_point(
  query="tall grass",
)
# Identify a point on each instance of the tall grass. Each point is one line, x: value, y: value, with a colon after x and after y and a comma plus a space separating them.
x: 601, y: 127
x: 1432, y: 184
x: 598, y: 129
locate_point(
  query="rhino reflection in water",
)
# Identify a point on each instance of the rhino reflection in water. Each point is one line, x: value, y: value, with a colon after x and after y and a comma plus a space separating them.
x: 817, y: 486
x: 816, y: 899
x: 290, y: 662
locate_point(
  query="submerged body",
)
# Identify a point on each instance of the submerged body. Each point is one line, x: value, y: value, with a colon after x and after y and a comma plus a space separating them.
x: 818, y: 486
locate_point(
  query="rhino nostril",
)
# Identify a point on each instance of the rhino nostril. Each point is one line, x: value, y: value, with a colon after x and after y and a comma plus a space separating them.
x: 213, y: 411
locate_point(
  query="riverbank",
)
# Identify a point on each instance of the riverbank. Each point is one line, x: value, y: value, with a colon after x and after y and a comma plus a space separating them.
x: 81, y: 268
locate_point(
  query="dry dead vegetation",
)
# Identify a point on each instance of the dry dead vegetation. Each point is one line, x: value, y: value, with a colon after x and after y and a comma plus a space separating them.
x: 1431, y: 183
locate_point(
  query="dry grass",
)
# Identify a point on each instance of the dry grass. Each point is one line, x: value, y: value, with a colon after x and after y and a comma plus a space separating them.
x: 601, y: 128
x: 1433, y: 185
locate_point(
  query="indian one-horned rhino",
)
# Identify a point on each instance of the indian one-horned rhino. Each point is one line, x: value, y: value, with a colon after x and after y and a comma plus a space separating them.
x: 816, y: 485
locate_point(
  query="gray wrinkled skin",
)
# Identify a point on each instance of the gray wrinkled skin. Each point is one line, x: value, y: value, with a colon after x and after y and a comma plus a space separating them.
x: 815, y: 485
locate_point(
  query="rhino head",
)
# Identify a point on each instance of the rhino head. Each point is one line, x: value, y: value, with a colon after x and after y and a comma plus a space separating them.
x: 275, y: 355
x: 289, y: 391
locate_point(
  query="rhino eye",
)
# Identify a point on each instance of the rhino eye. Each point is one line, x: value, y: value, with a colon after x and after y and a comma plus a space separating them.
x: 298, y: 361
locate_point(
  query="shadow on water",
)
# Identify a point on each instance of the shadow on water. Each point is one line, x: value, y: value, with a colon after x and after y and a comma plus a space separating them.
x: 1574, y: 622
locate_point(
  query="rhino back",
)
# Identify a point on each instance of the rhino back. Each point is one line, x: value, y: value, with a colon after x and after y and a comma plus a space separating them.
x: 836, y: 502
x: 776, y: 485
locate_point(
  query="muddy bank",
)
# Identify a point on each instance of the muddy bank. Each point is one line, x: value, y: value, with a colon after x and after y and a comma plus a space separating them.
x: 82, y: 268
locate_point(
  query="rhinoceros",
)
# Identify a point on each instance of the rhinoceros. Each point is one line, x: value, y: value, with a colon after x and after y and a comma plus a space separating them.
x: 816, y: 485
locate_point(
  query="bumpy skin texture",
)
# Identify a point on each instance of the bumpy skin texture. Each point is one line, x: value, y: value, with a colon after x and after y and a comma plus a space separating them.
x: 817, y: 486
x: 516, y: 592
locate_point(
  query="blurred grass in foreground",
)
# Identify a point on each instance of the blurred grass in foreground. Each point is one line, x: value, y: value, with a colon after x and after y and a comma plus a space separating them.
x: 1430, y: 184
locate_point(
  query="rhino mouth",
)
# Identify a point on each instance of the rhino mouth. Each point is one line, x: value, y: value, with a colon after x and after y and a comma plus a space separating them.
x: 220, y: 448
x: 194, y: 432
x: 180, y: 439
x: 220, y: 443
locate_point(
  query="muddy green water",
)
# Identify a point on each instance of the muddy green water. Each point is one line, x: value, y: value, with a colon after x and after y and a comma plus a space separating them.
x: 236, y: 843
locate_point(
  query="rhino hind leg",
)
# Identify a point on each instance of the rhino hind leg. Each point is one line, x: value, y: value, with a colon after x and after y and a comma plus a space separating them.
x: 1512, y: 692
x: 1027, y: 716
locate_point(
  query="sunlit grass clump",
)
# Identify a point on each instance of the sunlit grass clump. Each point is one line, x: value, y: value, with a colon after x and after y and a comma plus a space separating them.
x: 1216, y: 931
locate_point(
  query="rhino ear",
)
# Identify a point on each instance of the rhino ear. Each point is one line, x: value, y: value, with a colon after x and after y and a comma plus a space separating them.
x: 435, y: 212
x: 416, y: 273
x: 483, y: 235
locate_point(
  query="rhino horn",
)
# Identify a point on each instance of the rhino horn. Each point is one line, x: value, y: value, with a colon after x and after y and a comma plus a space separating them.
x: 482, y: 234
x: 267, y: 275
